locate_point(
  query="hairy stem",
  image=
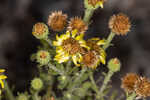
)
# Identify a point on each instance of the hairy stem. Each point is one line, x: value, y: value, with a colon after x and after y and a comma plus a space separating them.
x: 88, y: 15
x: 106, y: 80
x: 55, y: 69
x: 93, y: 82
x: 9, y: 93
x: 131, y: 97
x: 108, y: 41
x: 77, y: 79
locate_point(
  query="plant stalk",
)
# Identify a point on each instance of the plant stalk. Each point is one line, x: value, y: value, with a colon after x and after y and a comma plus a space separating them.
x: 9, y: 93
x: 93, y: 82
x: 88, y: 15
x: 131, y: 97
x: 108, y: 41
x: 106, y: 80
x: 55, y: 69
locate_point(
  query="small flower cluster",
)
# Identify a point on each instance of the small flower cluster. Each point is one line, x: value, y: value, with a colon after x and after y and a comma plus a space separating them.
x: 135, y: 83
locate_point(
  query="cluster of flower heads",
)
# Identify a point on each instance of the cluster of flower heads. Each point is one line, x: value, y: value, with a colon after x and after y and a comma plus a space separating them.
x: 135, y: 83
x: 2, y: 77
x: 71, y: 45
x: 83, y: 53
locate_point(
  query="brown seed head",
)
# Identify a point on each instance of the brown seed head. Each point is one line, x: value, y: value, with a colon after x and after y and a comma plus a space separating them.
x: 129, y: 81
x: 119, y: 24
x: 94, y: 2
x: 78, y: 24
x: 43, y: 55
x: 90, y: 59
x: 71, y: 46
x: 143, y: 87
x: 57, y: 21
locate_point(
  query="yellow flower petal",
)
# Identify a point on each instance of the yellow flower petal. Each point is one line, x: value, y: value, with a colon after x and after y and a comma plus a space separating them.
x: 102, y: 60
x: 101, y: 42
x: 59, y: 49
x: 2, y: 70
x: 57, y: 43
x: 101, y: 4
x: 65, y: 36
x: 79, y: 37
x: 2, y: 83
x: 62, y: 57
x: 74, y: 33
x: 3, y: 77
x: 75, y: 60
x: 95, y: 39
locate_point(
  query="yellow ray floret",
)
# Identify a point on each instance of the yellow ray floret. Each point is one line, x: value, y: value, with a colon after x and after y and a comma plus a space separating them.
x: 69, y: 45
x: 2, y: 77
x: 96, y: 53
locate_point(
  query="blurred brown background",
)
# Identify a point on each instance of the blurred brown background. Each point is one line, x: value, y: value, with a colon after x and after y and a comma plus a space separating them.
x: 17, y: 43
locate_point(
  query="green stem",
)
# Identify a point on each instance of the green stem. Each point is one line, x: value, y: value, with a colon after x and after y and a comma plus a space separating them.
x: 9, y: 93
x: 106, y: 80
x: 35, y: 96
x: 49, y: 41
x: 88, y: 15
x: 55, y: 69
x: 77, y: 79
x: 131, y: 97
x: 68, y: 66
x: 108, y: 41
x: 93, y: 82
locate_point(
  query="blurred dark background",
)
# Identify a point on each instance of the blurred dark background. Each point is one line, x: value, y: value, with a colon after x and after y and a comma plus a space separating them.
x: 17, y: 43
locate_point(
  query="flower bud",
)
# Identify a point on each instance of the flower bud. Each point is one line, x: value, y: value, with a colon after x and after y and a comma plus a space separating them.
x: 68, y: 95
x: 22, y: 96
x: 43, y: 57
x: 37, y: 84
x: 40, y: 31
x: 114, y: 65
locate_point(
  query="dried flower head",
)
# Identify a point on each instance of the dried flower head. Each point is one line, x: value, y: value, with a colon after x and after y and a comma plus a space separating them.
x: 91, y: 59
x: 40, y: 31
x: 78, y: 24
x: 94, y: 3
x: 129, y: 81
x: 95, y: 45
x: 57, y: 21
x: 142, y: 88
x: 119, y: 24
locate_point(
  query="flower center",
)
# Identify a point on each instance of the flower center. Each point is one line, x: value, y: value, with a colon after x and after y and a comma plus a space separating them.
x: 43, y: 55
x: 89, y: 58
x: 71, y: 46
x: 93, y: 46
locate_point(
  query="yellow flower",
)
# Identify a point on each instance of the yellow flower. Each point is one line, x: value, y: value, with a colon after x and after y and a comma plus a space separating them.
x: 94, y: 4
x: 2, y: 77
x: 96, y: 54
x: 69, y: 45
